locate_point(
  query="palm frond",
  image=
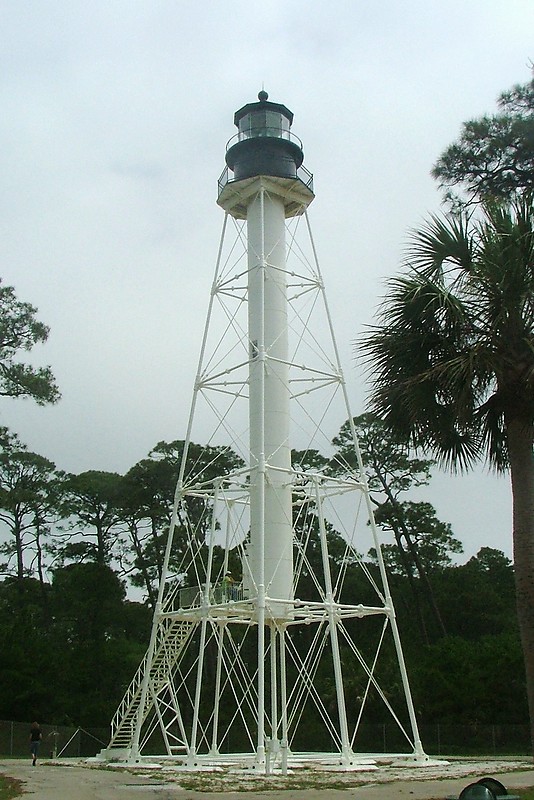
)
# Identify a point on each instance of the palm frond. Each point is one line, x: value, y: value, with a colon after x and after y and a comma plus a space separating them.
x: 442, y: 241
x: 455, y: 330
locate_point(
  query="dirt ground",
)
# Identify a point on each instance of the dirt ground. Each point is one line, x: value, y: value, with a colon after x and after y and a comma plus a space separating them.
x: 79, y: 780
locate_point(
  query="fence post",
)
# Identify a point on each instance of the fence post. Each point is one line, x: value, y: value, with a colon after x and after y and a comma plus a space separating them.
x: 11, y: 740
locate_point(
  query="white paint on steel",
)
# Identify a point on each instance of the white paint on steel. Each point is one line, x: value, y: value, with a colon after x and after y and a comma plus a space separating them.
x: 270, y: 452
x: 250, y: 519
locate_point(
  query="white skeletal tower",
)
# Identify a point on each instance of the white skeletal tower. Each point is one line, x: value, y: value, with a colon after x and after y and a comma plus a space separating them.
x: 279, y: 663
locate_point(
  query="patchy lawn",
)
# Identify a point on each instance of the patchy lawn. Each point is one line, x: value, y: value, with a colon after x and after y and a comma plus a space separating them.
x: 9, y: 788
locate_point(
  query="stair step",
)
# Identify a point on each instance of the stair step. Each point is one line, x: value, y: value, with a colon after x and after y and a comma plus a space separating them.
x: 171, y: 642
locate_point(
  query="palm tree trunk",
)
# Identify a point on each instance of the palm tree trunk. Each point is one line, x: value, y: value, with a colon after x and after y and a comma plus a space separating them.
x: 520, y: 437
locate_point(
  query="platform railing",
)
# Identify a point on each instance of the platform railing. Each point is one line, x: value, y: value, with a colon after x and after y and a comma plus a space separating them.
x: 303, y: 175
x: 192, y: 596
x: 264, y: 132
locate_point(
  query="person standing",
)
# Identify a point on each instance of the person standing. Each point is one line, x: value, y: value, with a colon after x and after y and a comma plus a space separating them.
x: 228, y: 587
x: 35, y: 739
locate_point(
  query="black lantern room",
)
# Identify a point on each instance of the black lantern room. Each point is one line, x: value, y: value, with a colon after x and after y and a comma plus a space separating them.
x: 265, y: 145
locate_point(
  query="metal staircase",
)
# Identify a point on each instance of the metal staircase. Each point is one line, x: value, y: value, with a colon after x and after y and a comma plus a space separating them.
x: 171, y: 638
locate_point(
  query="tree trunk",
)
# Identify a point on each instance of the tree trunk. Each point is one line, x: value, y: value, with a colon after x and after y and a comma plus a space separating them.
x: 520, y: 436
x: 412, y: 549
x: 18, y: 532
x: 101, y: 559
x: 143, y: 567
x: 158, y: 555
x: 39, y: 529
x: 409, y: 574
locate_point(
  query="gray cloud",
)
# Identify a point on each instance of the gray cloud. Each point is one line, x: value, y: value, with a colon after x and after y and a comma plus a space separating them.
x: 115, y: 117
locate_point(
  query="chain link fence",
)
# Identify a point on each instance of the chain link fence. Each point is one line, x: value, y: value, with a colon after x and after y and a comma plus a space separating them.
x: 438, y: 740
x: 476, y: 740
x: 448, y: 740
x: 58, y: 740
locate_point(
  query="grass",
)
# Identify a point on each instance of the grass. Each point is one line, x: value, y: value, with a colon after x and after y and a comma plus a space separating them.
x: 9, y: 788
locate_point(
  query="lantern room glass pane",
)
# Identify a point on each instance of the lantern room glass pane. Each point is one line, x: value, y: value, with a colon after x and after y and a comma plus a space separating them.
x: 263, y: 122
x: 273, y: 123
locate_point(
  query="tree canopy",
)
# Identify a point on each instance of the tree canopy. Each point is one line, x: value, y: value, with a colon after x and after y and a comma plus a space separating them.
x: 452, y: 356
x: 494, y: 154
x: 452, y: 361
x: 76, y: 616
x: 20, y: 330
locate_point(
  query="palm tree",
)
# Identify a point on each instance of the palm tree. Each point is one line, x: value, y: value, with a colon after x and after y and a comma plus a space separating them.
x: 452, y: 362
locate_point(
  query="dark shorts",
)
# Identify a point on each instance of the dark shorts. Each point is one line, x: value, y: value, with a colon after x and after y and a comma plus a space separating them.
x: 34, y: 748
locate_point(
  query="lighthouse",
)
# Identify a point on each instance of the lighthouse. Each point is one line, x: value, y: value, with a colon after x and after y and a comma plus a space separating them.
x: 270, y: 624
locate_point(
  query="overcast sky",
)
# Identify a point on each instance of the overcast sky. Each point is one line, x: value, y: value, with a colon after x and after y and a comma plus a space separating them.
x: 115, y: 116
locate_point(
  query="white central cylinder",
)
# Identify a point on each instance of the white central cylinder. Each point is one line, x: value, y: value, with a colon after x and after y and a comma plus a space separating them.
x: 271, y: 551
